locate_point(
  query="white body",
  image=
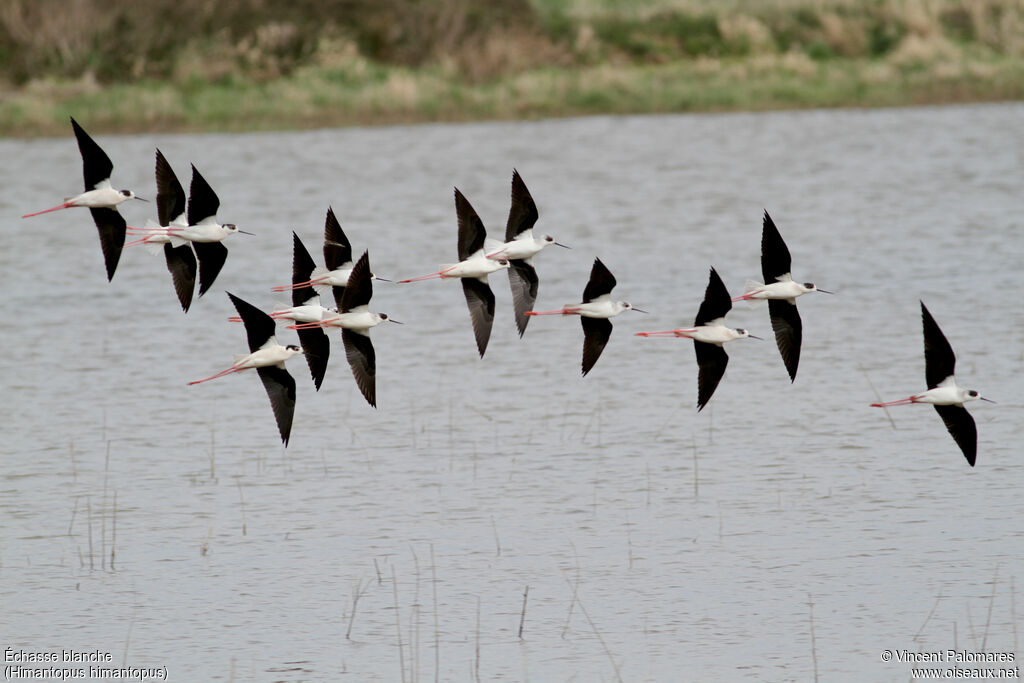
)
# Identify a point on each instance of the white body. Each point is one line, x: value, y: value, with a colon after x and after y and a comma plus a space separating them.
x: 272, y: 353
x: 477, y: 265
x: 601, y: 307
x: 359, y: 319
x: 306, y: 313
x: 524, y: 246
x: 946, y: 394
x: 103, y: 196
x: 203, y: 232
x: 715, y: 333
x: 783, y: 289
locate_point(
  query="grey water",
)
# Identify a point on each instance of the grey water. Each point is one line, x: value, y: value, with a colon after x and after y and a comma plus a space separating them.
x: 658, y: 544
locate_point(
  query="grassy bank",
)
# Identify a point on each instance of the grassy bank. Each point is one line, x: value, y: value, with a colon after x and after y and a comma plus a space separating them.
x: 513, y: 60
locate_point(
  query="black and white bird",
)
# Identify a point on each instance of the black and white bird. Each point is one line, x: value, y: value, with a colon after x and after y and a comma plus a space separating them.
x: 171, y: 212
x: 943, y: 391
x: 268, y: 357
x: 337, y: 259
x: 519, y: 248
x: 100, y: 197
x: 355, y: 320
x: 781, y: 291
x: 709, y: 333
x: 473, y: 268
x: 201, y: 229
x: 594, y: 312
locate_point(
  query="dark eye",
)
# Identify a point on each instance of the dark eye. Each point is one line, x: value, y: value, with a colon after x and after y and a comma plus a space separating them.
x: 809, y: 285
x: 383, y: 316
x: 549, y: 238
x: 741, y: 330
x: 972, y: 393
x: 503, y: 262
x: 126, y: 193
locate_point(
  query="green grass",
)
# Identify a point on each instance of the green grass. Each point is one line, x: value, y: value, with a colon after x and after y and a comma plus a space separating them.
x: 569, y: 57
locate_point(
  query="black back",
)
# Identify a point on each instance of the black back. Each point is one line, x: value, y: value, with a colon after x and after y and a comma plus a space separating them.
x: 480, y: 300
x: 716, y: 302
x: 337, y: 249
x: 170, y: 196
x: 596, y: 332
x: 711, y: 361
x: 280, y: 386
x: 202, y: 200
x: 471, y: 229
x: 360, y: 285
x: 259, y: 327
x: 775, y: 258
x: 962, y: 428
x: 522, y: 215
x: 111, y: 227
x: 601, y: 282
x: 96, y: 165
x: 212, y: 256
x: 302, y: 271
x: 939, y: 360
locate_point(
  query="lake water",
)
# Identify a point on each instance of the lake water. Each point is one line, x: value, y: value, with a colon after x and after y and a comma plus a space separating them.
x: 658, y: 544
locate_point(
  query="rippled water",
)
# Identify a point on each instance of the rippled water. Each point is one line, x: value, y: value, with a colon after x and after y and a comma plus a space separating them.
x: 692, y: 542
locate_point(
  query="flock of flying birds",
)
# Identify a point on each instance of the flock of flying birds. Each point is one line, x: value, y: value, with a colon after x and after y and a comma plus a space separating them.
x: 192, y: 239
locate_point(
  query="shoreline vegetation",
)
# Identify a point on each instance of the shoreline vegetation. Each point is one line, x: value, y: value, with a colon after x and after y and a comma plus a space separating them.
x: 234, y: 65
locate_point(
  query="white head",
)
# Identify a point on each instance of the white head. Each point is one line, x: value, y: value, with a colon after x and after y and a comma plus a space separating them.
x: 626, y: 306
x: 292, y: 350
x: 545, y: 240
x: 743, y: 334
x: 972, y: 395
x: 809, y: 287
x: 230, y: 228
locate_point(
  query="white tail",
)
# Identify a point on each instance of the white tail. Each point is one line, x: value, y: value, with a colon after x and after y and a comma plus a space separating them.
x: 752, y: 286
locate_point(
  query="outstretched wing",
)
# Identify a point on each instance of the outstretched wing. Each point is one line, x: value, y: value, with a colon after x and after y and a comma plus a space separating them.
x: 522, y: 276
x: 711, y: 361
x: 788, y: 332
x: 962, y: 428
x: 480, y: 300
x: 596, y: 332
x: 111, y: 227
x: 96, y: 165
x: 522, y: 215
x: 280, y: 386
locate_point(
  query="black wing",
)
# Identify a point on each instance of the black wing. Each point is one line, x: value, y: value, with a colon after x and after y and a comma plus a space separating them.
x: 359, y: 351
x: 316, y: 347
x: 711, y: 359
x: 480, y: 300
x: 471, y: 229
x: 170, y: 197
x: 211, y: 257
x: 360, y: 286
x: 259, y: 327
x: 181, y: 263
x: 522, y: 215
x: 961, y: 427
x: 96, y: 165
x: 302, y: 271
x: 595, y: 337
x: 788, y: 332
x: 523, y: 278
x: 111, y: 227
x: 280, y: 386
x: 202, y: 200
x: 775, y: 259
x: 716, y: 301
x: 601, y: 282
x: 939, y: 359
x: 337, y: 249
